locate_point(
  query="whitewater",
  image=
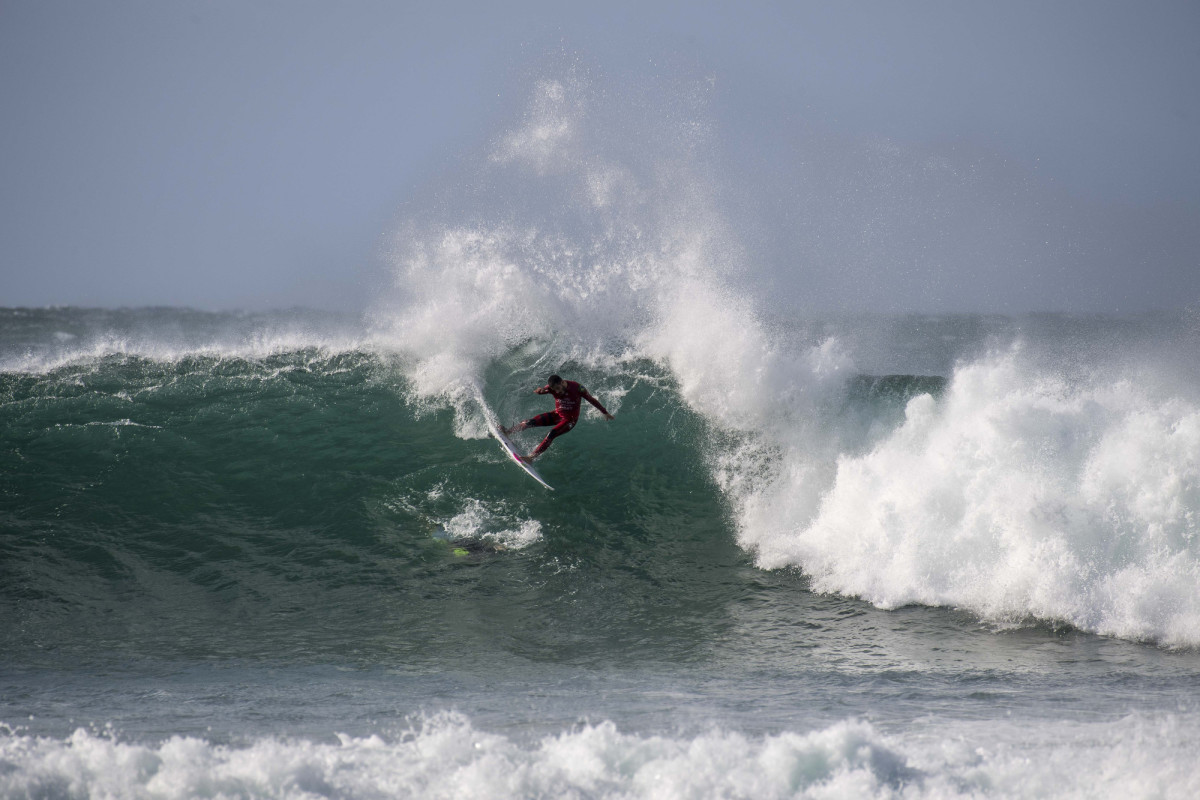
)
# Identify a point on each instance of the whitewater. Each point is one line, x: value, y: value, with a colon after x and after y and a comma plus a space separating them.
x: 848, y: 555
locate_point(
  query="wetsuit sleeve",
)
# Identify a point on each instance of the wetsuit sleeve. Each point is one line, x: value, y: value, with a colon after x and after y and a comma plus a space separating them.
x: 587, y: 396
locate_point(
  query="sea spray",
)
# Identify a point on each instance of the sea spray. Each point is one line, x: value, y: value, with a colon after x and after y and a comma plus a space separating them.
x: 632, y: 262
x: 575, y: 251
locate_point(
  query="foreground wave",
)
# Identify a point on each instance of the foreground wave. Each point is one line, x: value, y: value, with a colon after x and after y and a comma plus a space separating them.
x: 445, y: 756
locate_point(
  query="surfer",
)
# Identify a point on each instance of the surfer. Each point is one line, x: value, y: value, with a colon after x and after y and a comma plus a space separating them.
x: 567, y: 395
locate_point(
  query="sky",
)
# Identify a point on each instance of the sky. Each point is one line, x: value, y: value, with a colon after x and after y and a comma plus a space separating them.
x: 881, y: 156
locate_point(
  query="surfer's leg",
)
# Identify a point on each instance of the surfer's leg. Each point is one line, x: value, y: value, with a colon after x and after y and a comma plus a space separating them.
x: 540, y: 421
x: 562, y: 427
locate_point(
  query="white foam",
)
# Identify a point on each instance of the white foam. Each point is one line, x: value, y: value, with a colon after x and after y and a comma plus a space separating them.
x: 1018, y: 495
x: 445, y: 756
x: 494, y: 522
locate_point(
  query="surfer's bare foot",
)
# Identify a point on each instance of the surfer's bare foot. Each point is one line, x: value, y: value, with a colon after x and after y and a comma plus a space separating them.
x: 527, y: 459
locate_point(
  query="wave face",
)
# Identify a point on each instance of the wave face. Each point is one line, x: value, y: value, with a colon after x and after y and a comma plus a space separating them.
x: 275, y: 496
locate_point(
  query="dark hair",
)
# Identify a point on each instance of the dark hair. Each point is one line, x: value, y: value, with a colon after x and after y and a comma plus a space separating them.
x: 554, y: 380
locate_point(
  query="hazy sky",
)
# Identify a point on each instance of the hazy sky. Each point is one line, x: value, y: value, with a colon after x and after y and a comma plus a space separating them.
x: 255, y: 154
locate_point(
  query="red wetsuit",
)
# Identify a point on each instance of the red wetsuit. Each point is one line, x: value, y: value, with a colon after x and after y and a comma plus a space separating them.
x: 565, y: 413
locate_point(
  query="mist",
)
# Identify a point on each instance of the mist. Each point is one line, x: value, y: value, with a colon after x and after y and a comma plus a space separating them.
x: 867, y: 157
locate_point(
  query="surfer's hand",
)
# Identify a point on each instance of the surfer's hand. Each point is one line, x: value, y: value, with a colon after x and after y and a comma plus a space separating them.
x: 608, y: 417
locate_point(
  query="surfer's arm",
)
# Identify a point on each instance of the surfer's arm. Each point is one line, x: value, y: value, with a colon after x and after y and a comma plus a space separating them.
x: 542, y: 390
x: 586, y: 395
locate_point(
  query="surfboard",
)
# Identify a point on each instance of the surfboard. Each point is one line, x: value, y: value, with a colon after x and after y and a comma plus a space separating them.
x: 511, y: 449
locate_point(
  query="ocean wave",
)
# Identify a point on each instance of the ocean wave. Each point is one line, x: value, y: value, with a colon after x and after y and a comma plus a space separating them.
x: 1054, y: 480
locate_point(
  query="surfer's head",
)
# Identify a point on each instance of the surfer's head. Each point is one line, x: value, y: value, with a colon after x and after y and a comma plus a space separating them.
x: 556, y: 384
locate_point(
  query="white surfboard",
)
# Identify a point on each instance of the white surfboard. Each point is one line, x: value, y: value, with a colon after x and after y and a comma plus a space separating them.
x: 510, y: 448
